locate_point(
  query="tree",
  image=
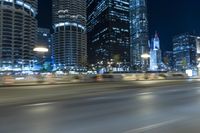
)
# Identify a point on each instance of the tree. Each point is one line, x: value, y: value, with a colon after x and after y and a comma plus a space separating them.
x: 116, y: 58
x: 184, y: 63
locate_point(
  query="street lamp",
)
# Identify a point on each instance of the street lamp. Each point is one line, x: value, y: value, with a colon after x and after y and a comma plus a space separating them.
x: 41, y: 50
x: 145, y: 56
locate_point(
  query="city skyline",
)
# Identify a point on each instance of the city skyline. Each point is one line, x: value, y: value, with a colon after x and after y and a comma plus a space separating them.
x: 99, y: 66
x: 167, y: 23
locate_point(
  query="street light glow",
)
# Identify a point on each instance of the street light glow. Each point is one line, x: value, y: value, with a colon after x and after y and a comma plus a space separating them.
x: 145, y: 56
x: 41, y: 49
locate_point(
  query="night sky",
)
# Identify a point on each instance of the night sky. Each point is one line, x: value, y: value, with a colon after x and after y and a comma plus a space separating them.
x: 167, y: 17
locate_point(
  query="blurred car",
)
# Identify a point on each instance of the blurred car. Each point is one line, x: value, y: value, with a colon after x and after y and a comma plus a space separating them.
x: 8, y: 80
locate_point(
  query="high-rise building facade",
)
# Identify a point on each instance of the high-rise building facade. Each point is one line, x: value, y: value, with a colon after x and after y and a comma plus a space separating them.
x: 138, y: 32
x: 69, y: 38
x: 168, y: 60
x: 44, y: 40
x: 108, y: 31
x: 184, y: 52
x: 18, y: 33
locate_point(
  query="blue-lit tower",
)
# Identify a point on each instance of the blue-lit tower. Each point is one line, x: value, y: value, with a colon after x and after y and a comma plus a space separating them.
x: 138, y: 33
x: 108, y: 30
x: 155, y: 54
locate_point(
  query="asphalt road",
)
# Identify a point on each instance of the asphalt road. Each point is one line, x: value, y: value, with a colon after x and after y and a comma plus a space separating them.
x: 173, y: 108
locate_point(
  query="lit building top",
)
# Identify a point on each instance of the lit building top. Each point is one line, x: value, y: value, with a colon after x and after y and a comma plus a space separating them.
x: 27, y: 4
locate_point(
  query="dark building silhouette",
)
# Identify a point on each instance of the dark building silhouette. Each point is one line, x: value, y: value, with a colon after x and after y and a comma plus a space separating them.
x: 168, y: 59
x: 108, y: 31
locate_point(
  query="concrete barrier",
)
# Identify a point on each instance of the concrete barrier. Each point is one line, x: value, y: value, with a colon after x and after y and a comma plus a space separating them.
x: 154, y: 76
x: 53, y: 79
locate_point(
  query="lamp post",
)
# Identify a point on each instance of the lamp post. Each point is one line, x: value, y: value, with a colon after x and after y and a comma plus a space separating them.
x: 41, y: 50
x: 145, y: 56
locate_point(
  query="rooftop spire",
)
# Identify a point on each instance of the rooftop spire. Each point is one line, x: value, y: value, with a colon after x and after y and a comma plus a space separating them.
x: 156, y: 34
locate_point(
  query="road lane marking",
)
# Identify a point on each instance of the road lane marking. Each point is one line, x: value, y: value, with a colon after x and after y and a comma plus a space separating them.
x: 177, y: 90
x: 153, y: 126
x: 145, y: 93
x: 37, y: 104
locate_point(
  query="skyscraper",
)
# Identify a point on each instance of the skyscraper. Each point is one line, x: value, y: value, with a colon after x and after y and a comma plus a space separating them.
x: 184, y: 52
x: 18, y: 31
x: 138, y: 32
x: 108, y: 31
x: 69, y: 38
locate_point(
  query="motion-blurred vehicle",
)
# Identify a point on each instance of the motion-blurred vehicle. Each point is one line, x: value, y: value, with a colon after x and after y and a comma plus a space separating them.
x: 8, y: 80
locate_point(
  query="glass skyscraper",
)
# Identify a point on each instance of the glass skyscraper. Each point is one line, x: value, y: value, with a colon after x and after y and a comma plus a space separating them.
x: 69, y: 38
x: 108, y: 30
x: 139, y: 32
x: 18, y: 33
x: 185, y: 52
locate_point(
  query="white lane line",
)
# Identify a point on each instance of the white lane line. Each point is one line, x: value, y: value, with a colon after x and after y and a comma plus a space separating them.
x: 153, y: 126
x: 145, y: 93
x: 97, y: 98
x: 37, y: 104
x: 117, y: 97
x: 178, y: 90
x: 171, y: 91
